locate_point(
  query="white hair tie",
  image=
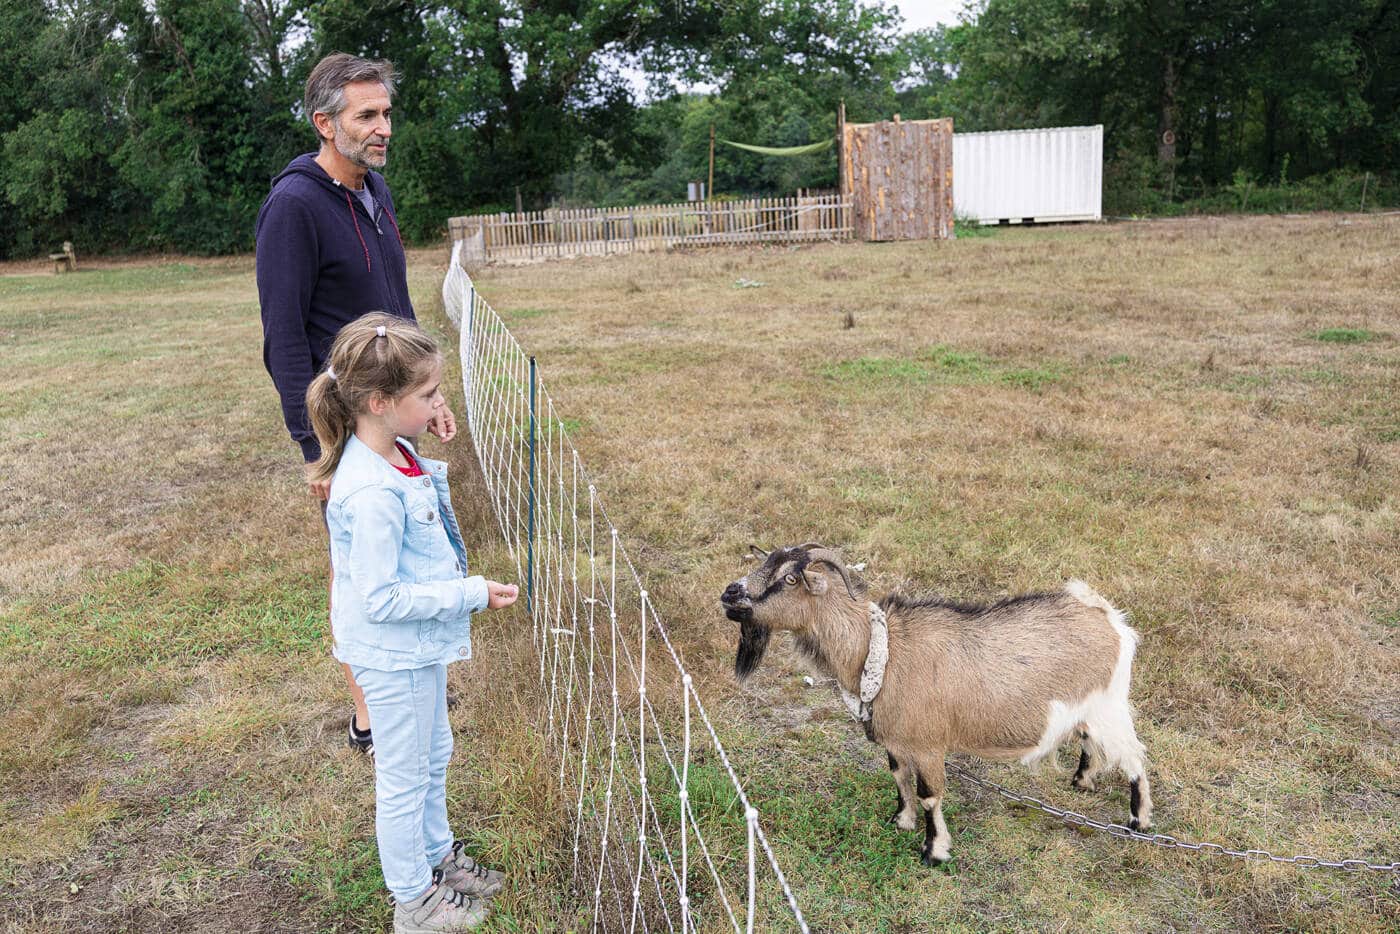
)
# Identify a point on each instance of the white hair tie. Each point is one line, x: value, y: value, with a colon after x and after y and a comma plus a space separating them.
x: 379, y: 330
x: 330, y: 371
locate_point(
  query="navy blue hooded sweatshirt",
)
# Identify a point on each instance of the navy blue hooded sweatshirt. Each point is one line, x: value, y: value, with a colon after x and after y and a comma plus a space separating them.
x: 323, y: 261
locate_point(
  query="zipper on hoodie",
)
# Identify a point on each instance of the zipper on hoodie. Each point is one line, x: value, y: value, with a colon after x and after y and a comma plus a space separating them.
x: 388, y: 285
x: 374, y: 219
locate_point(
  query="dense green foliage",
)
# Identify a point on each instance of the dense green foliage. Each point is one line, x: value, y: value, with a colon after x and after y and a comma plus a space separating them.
x: 1194, y: 95
x: 158, y: 124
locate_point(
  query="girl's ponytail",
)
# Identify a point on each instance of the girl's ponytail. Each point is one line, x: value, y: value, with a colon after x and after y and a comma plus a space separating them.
x: 332, y: 421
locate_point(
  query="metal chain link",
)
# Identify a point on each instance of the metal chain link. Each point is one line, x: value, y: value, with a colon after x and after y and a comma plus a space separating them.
x: 1075, y: 819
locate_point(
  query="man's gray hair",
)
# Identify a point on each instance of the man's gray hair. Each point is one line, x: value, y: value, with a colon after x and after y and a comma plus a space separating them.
x: 325, y: 86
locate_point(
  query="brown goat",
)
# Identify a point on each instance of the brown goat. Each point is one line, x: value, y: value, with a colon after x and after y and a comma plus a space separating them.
x: 1011, y: 680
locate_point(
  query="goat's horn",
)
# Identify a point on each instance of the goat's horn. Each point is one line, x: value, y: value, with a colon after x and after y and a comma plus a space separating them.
x: 757, y: 552
x: 827, y: 556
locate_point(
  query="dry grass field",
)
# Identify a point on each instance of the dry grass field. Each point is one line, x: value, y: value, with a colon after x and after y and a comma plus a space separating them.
x: 1199, y: 417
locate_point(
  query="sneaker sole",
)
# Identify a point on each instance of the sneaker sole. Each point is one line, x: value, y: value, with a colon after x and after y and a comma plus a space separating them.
x: 405, y: 929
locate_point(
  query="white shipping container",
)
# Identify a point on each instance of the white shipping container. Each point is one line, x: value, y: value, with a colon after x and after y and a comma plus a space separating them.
x: 1017, y: 176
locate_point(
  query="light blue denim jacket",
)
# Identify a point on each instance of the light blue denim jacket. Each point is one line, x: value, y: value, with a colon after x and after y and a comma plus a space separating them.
x: 401, y: 597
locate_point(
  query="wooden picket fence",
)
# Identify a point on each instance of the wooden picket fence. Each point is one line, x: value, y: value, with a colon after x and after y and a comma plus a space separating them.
x: 603, y: 231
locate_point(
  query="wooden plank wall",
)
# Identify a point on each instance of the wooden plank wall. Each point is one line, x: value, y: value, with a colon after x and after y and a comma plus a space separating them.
x: 602, y: 231
x: 899, y: 176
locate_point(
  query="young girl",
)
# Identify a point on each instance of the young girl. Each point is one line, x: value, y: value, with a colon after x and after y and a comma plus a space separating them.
x: 401, y: 604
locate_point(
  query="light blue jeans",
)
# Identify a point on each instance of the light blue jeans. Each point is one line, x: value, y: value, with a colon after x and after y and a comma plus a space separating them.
x: 412, y: 745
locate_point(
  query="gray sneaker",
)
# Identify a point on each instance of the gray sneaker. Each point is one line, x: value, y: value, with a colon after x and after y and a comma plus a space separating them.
x: 468, y: 876
x: 440, y: 910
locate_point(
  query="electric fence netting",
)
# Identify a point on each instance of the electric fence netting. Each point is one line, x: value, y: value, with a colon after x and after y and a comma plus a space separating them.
x: 664, y: 837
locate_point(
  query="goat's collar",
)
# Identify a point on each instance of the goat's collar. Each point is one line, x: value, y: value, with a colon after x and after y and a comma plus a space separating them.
x: 873, y: 676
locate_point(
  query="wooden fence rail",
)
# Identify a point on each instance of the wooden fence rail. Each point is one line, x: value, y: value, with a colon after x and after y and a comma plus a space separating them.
x: 603, y: 231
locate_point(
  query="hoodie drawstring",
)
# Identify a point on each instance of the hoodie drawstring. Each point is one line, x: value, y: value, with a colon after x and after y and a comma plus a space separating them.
x: 396, y: 227
x: 364, y: 246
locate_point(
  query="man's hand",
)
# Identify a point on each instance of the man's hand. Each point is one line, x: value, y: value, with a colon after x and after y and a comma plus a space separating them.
x: 321, y: 489
x: 443, y: 425
x: 499, y: 596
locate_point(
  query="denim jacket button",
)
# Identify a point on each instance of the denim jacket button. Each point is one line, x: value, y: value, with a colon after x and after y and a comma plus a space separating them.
x: 462, y: 651
x: 431, y: 517
x: 427, y: 481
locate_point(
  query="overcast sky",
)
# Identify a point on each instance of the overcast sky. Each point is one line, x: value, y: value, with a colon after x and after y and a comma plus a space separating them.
x: 920, y: 14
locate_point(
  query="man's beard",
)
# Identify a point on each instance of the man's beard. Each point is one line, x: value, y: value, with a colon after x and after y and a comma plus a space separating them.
x: 360, y: 155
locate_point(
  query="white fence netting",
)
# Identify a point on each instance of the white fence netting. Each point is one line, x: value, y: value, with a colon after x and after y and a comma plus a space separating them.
x: 664, y: 836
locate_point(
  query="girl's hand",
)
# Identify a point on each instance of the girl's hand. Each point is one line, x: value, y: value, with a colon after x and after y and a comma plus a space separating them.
x: 443, y: 425
x: 499, y: 596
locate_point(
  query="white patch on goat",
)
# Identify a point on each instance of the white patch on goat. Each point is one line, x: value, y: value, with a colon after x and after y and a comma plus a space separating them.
x: 943, y: 843
x: 1105, y: 714
x: 943, y: 846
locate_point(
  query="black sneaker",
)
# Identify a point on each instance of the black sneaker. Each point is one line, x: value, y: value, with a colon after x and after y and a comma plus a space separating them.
x: 359, y: 741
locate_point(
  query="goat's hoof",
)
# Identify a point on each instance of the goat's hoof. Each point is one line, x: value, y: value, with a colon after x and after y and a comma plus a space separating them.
x: 929, y: 860
x: 1134, y: 824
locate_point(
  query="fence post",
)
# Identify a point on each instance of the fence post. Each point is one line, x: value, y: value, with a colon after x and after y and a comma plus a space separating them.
x: 530, y: 527
x: 471, y: 353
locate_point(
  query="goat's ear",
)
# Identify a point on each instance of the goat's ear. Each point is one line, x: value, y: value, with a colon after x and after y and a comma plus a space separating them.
x: 815, y: 580
x: 756, y: 553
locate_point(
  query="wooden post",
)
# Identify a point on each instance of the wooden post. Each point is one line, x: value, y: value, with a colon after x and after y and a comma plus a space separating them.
x: 841, y: 148
x: 710, y: 189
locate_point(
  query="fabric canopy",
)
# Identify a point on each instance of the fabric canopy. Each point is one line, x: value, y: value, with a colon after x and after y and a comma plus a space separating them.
x: 786, y: 151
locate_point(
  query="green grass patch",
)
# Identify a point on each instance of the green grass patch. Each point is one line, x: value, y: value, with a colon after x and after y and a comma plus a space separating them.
x: 546, y: 429
x: 1032, y: 379
x: 867, y: 371
x: 550, y: 426
x: 127, y: 279
x: 154, y: 613
x: 966, y: 228
x: 968, y: 365
x: 1345, y: 336
x: 514, y: 315
x: 351, y: 875
x: 941, y: 365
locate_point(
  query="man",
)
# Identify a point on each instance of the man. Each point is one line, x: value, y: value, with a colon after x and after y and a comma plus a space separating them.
x: 328, y: 251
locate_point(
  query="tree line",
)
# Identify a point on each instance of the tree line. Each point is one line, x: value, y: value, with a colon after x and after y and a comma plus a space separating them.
x: 159, y: 124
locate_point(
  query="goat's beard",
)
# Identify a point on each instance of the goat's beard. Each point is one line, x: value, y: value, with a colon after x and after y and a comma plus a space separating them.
x: 753, y: 642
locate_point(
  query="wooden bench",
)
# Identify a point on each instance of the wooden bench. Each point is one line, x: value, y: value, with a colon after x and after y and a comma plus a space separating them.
x: 67, y: 261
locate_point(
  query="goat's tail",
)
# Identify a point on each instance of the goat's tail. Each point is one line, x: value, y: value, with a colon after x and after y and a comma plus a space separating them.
x: 1091, y: 597
x: 1128, y: 637
x: 1088, y: 596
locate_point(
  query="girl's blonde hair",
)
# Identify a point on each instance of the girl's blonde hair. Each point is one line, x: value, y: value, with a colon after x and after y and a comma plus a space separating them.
x: 375, y: 354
